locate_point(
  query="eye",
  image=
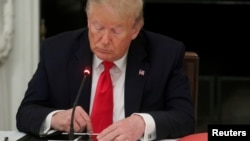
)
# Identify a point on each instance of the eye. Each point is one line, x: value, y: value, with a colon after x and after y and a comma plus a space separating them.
x: 97, y: 26
x: 117, y: 30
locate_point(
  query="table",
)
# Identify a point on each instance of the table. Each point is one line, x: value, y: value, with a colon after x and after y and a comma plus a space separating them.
x: 19, y: 136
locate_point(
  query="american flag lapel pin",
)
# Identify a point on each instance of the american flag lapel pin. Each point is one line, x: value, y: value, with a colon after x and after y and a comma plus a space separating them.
x: 141, y: 72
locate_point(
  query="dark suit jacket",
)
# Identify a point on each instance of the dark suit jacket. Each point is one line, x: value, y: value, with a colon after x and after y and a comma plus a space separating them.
x: 162, y: 91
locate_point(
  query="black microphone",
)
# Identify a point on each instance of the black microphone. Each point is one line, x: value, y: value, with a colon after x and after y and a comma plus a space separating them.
x: 86, y: 73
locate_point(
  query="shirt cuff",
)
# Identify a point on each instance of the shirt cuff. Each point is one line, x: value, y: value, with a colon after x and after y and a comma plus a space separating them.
x: 150, y: 131
x: 46, y: 125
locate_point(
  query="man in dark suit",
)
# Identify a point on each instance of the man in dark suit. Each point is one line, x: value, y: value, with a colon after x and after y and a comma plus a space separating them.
x: 151, y: 93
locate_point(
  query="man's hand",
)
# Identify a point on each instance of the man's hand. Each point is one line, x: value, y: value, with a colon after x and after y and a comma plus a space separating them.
x: 61, y: 120
x: 129, y: 129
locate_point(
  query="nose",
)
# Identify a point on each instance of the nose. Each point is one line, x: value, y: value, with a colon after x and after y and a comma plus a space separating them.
x: 105, y: 37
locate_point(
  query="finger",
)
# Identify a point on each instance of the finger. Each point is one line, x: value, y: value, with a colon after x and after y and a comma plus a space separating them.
x: 89, y: 125
x: 80, y: 121
x: 109, y: 133
x: 107, y: 137
x: 109, y: 129
x: 87, y: 119
x: 77, y: 127
x: 122, y: 138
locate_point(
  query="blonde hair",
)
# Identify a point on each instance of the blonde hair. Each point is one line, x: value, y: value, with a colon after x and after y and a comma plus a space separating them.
x: 126, y: 8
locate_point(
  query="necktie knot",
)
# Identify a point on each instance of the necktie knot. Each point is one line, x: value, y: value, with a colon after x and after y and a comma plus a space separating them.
x: 107, y: 65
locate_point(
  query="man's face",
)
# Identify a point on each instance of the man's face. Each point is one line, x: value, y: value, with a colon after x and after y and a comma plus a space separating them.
x: 110, y: 35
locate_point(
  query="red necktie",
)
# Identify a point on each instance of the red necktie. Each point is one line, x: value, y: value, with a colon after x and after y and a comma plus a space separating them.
x: 102, y: 111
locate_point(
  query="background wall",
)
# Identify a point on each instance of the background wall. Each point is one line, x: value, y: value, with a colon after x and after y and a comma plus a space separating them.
x: 217, y: 31
x: 19, y: 65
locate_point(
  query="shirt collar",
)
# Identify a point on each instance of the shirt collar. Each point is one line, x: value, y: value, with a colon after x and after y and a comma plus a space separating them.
x: 121, y: 63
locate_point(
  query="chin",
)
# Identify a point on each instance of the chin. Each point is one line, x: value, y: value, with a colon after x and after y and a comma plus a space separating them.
x: 104, y: 57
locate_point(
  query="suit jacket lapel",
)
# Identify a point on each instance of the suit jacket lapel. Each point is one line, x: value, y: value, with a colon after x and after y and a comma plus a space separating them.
x: 82, y: 59
x: 136, y: 73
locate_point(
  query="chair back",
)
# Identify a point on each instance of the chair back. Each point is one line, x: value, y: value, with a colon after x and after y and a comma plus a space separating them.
x: 191, y: 68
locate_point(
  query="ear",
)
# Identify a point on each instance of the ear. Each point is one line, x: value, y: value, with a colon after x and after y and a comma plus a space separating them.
x: 136, y: 29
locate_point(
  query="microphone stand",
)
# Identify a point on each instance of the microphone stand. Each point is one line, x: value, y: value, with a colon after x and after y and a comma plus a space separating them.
x: 71, y: 132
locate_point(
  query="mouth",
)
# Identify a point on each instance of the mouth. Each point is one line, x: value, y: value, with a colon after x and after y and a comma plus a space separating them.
x: 100, y: 50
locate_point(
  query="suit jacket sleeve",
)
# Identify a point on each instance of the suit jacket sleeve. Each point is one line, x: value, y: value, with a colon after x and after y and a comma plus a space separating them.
x: 49, y: 88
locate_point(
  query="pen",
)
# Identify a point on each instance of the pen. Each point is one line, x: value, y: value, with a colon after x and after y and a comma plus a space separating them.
x: 89, y: 134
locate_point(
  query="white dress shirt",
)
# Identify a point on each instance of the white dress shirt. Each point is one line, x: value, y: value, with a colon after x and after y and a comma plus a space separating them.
x: 117, y: 75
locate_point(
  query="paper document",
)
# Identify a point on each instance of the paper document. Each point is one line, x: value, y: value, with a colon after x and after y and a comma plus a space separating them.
x: 11, y: 135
